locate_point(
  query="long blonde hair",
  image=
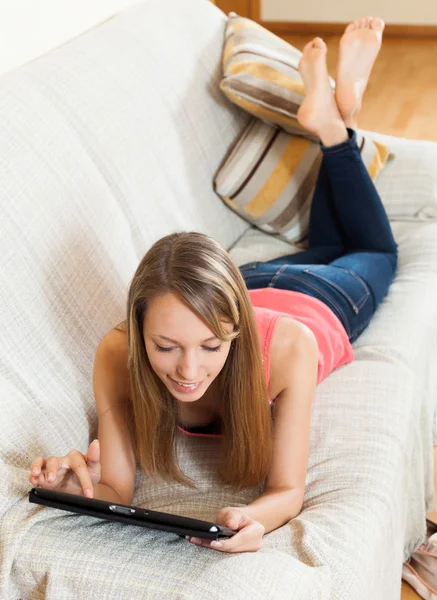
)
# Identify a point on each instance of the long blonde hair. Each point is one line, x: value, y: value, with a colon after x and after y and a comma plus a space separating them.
x: 197, y: 269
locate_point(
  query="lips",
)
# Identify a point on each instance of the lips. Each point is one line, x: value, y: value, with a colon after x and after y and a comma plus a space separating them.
x: 185, y: 387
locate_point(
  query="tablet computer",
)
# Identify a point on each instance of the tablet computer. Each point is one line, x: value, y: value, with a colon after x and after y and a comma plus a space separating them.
x: 130, y: 515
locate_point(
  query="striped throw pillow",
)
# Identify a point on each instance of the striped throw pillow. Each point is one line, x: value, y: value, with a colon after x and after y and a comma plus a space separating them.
x: 261, y: 75
x: 269, y: 176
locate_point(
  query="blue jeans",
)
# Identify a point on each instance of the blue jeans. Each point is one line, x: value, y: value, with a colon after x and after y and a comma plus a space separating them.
x: 352, y: 255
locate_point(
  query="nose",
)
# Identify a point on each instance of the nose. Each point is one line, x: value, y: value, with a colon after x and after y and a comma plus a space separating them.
x: 188, y: 367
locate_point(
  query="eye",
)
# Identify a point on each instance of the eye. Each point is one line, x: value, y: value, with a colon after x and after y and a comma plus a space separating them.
x: 162, y: 349
x: 207, y: 348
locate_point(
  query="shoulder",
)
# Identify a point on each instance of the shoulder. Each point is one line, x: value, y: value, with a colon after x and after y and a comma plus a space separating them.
x: 113, y: 349
x: 115, y: 341
x: 111, y: 374
x: 290, y: 337
x: 292, y: 342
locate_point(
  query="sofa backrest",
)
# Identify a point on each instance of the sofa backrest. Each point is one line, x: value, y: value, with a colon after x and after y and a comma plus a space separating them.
x: 106, y: 144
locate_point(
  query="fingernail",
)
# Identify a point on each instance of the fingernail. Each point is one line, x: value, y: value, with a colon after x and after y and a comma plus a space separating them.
x: 51, y: 477
x: 216, y: 544
x: 88, y: 493
x: 35, y: 471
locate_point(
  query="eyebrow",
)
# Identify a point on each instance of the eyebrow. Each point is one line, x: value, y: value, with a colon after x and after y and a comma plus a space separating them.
x: 175, y: 342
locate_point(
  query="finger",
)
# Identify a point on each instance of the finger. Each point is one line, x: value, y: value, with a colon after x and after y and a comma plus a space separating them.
x: 35, y: 469
x: 80, y: 468
x: 237, y: 521
x: 245, y: 537
x: 204, y: 543
x: 38, y: 480
x: 93, y: 455
x: 51, y: 470
x: 230, y: 517
x: 42, y: 481
x: 251, y: 547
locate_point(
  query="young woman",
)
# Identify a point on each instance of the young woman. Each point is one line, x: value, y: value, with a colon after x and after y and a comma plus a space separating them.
x: 201, y: 355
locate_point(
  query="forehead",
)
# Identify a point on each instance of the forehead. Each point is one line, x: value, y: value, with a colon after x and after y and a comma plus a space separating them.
x: 169, y: 316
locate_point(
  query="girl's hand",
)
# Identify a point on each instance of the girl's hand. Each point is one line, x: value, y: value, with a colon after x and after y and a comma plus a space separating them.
x: 75, y: 473
x: 248, y: 538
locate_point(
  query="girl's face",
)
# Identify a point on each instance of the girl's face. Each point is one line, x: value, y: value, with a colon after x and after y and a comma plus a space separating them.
x: 182, y: 350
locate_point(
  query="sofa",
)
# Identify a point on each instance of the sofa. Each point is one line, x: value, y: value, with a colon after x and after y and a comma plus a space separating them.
x: 108, y: 143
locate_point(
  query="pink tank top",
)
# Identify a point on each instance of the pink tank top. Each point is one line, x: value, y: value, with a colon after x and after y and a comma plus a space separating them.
x: 270, y: 304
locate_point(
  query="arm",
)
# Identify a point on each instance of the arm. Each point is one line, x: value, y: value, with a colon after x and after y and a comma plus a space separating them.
x: 117, y: 458
x: 294, y: 373
x: 107, y: 493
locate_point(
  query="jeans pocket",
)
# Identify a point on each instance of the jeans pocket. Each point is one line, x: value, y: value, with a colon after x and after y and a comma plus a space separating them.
x: 347, y: 283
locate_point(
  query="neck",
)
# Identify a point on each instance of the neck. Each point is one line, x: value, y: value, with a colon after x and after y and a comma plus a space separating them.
x: 202, y: 411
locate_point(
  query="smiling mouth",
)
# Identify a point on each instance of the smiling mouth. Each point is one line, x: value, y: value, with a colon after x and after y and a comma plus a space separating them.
x: 186, y: 385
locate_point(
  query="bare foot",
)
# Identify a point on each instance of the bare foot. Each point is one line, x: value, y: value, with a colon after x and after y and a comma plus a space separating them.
x: 359, y: 48
x: 319, y: 113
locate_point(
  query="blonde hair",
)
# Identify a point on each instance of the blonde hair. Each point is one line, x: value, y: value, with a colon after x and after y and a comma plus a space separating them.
x: 200, y: 271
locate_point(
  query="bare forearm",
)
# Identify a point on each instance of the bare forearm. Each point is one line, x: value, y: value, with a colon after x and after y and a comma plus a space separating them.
x: 104, y: 492
x: 275, y: 508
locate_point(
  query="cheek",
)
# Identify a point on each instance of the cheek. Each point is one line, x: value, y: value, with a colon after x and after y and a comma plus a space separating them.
x: 160, y: 364
x: 219, y: 362
x: 159, y: 361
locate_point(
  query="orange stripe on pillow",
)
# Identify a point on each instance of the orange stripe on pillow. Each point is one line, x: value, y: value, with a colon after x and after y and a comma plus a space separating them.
x: 383, y: 151
x: 279, y: 177
x: 230, y: 203
x: 375, y: 166
x: 267, y: 74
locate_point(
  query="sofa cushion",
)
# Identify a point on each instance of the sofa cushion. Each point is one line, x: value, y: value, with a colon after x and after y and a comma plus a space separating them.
x: 269, y: 177
x: 408, y: 184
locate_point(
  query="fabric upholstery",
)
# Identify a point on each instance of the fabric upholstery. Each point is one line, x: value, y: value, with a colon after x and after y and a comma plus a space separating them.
x: 408, y: 185
x: 106, y: 144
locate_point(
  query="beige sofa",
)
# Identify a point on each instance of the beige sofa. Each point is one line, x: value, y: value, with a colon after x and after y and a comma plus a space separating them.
x: 106, y: 144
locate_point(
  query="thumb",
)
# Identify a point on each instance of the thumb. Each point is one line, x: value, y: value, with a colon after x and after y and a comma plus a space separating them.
x: 233, y: 519
x: 93, y: 454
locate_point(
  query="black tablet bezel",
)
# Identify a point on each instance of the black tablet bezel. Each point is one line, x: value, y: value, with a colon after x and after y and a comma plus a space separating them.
x: 122, y: 513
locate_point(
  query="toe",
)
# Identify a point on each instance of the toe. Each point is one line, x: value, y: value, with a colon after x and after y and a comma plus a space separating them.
x: 351, y: 27
x: 319, y: 43
x: 377, y: 24
x: 307, y: 46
